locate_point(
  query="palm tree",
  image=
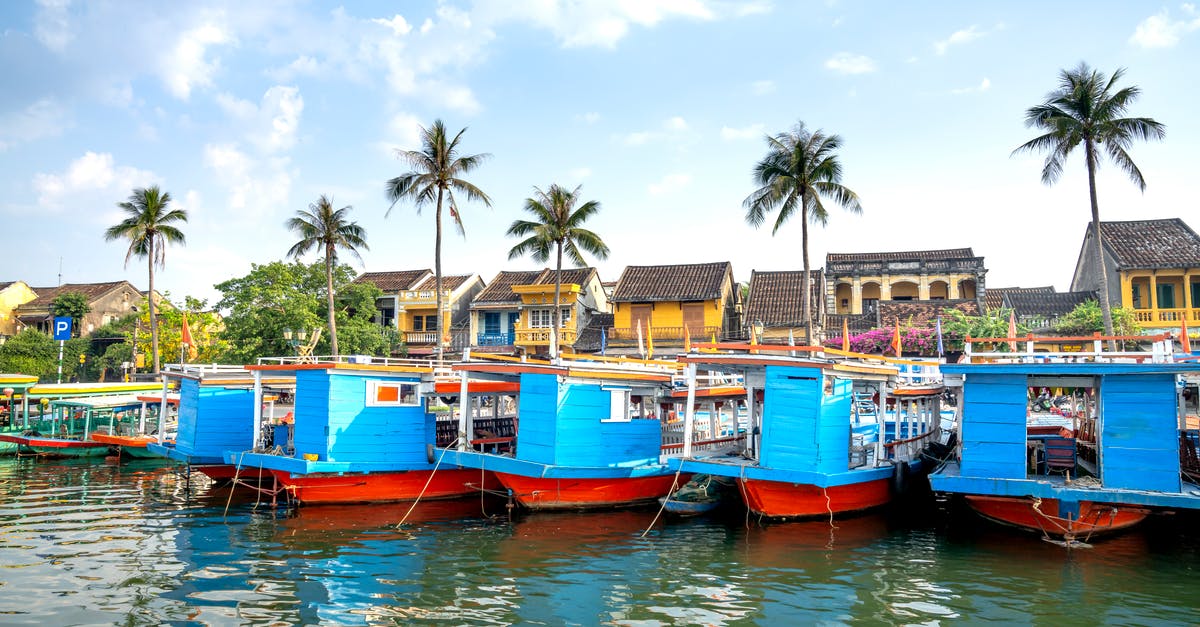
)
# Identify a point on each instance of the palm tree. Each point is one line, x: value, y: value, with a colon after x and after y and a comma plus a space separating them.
x: 799, y: 169
x: 557, y: 224
x: 149, y: 227
x: 1086, y: 110
x: 327, y: 228
x: 436, y: 174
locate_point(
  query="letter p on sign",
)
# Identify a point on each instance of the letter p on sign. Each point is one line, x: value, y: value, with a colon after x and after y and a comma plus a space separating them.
x: 62, y: 328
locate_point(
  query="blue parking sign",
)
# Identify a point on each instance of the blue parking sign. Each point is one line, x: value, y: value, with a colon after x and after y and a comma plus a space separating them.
x: 62, y: 327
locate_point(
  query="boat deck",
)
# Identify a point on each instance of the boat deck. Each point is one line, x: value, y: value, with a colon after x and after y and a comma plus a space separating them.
x: 744, y: 468
x: 501, y: 463
x: 949, y: 479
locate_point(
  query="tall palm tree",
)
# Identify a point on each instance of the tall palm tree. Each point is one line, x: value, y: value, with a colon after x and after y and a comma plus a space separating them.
x: 149, y: 226
x: 557, y: 224
x: 800, y: 168
x: 329, y: 229
x: 1086, y: 110
x: 436, y: 174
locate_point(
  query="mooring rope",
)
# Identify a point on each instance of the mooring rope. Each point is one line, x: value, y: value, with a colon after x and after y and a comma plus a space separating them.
x: 427, y: 482
x: 674, y: 486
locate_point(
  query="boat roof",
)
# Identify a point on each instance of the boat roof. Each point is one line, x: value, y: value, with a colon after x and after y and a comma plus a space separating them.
x: 757, y: 361
x: 89, y: 389
x: 100, y: 402
x: 600, y: 371
x: 22, y: 380
x: 1074, y: 368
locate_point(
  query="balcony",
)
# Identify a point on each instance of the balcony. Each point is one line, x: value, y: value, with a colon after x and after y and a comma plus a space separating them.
x: 616, y: 335
x: 1166, y: 318
x: 421, y: 337
x: 541, y: 337
x: 494, y: 339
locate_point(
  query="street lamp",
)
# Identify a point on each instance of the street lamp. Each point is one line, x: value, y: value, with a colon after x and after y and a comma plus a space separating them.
x: 295, y: 338
x: 757, y: 330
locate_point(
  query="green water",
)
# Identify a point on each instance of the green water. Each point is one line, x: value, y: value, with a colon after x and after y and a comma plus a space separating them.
x: 97, y: 543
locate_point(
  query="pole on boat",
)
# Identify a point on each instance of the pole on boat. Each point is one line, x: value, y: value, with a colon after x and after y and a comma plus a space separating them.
x: 258, y: 401
x: 750, y: 420
x: 162, y: 412
x: 464, y: 410
x: 689, y: 411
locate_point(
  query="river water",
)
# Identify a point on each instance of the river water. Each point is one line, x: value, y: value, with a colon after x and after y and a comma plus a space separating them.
x: 132, y: 544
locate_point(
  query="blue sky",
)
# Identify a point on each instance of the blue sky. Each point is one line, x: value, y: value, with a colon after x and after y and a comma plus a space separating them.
x: 248, y: 111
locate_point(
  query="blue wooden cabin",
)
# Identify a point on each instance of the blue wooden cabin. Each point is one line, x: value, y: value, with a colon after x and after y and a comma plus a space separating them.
x: 1133, y: 451
x: 575, y: 422
x: 354, y: 419
x: 215, y: 416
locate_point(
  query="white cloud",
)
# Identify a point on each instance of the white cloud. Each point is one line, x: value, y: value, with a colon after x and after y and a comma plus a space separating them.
x: 272, y: 125
x: 582, y: 24
x: 762, y: 88
x: 578, y: 174
x: 981, y: 87
x: 398, y: 25
x: 847, y: 63
x: 590, y: 117
x: 1159, y: 31
x: 753, y: 131
x: 962, y: 36
x: 256, y: 187
x: 669, y: 184
x: 52, y: 26
x: 44, y: 118
x: 403, y: 133
x: 676, y: 124
x: 89, y: 182
x: 672, y: 127
x: 186, y: 66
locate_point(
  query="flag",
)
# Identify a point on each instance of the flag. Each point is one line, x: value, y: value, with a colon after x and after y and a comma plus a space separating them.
x: 791, y: 342
x: 641, y: 347
x: 553, y: 343
x: 846, y: 334
x: 687, y: 339
x: 1012, y: 329
x: 941, y: 347
x: 603, y: 340
x: 649, y: 341
x: 185, y: 340
x: 1184, y: 341
x: 896, y: 344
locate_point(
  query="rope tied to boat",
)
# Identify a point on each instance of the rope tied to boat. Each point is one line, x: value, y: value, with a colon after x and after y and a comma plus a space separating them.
x: 427, y: 482
x: 674, y: 487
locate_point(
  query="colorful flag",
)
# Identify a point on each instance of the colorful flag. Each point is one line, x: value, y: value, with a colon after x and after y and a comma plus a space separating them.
x: 896, y: 344
x: 687, y: 339
x: 603, y: 340
x: 1184, y: 341
x: 649, y: 341
x: 846, y: 334
x: 941, y: 347
x: 185, y: 341
x: 1012, y: 329
x: 641, y: 346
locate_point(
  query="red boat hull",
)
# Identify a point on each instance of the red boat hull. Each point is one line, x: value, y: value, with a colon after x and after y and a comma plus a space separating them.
x: 776, y: 499
x: 541, y: 494
x: 384, y: 486
x: 1094, y: 518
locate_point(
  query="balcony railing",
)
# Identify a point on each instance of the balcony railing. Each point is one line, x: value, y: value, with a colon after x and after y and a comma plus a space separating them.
x: 494, y: 339
x: 541, y: 337
x: 422, y: 337
x: 1165, y: 317
x: 664, y: 334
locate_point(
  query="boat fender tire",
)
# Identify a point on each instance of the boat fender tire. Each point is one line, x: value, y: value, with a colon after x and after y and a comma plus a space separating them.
x: 900, y: 478
x: 429, y: 453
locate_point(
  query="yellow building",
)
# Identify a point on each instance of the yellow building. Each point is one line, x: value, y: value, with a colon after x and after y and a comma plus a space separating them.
x: 1153, y: 268
x: 665, y: 300
x: 12, y: 295
x: 409, y: 305
x: 855, y: 283
x: 516, y: 309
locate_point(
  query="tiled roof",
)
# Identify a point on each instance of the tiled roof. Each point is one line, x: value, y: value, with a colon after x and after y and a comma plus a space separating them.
x: 993, y: 298
x: 921, y: 313
x: 448, y: 282
x: 394, y: 281
x: 91, y: 291
x: 4, y: 284
x: 1144, y: 244
x: 499, y: 289
x: 1049, y: 304
x: 589, y: 338
x: 949, y: 253
x: 578, y: 276
x: 777, y: 298
x: 684, y: 282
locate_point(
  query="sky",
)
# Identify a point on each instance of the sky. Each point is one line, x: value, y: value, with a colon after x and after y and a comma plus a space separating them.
x: 247, y: 112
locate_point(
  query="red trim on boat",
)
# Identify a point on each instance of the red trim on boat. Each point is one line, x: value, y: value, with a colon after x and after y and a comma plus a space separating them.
x: 777, y: 499
x: 1043, y: 516
x: 477, y: 387
x: 581, y: 493
x: 384, y: 486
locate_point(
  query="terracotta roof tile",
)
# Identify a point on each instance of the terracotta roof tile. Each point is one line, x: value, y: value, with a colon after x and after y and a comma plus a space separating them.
x: 949, y: 253
x: 993, y: 298
x: 448, y: 282
x: 91, y: 291
x: 499, y: 289
x: 1145, y: 244
x: 1049, y: 304
x: 777, y: 298
x: 589, y: 338
x: 393, y: 281
x: 684, y: 282
x: 578, y: 276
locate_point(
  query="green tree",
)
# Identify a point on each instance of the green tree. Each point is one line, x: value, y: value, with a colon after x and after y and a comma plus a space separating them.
x: 149, y: 225
x: 35, y: 353
x: 328, y: 229
x: 72, y: 305
x: 437, y: 171
x: 557, y: 226
x: 1086, y: 110
x: 356, y: 318
x: 957, y: 326
x: 1088, y: 317
x: 800, y: 168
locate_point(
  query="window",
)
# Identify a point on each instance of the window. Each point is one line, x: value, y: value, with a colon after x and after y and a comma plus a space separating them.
x: 392, y: 394
x: 1166, y: 296
x: 618, y: 409
x: 544, y: 318
x: 425, y: 323
x: 491, y: 322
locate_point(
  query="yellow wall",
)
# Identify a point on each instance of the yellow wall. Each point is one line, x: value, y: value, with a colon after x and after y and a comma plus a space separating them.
x: 667, y: 314
x: 10, y: 298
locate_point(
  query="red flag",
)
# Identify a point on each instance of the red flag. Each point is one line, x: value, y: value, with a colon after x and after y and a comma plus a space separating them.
x: 1184, y: 341
x: 187, y: 333
x: 1012, y: 329
x: 846, y: 334
x: 896, y: 344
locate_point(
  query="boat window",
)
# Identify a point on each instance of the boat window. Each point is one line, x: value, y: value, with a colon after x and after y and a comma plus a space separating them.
x: 1062, y: 434
x: 392, y: 394
x: 618, y: 409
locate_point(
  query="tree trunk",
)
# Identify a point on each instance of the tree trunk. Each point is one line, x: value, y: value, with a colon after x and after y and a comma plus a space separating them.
x: 333, y: 343
x: 558, y: 300
x: 153, y: 314
x: 437, y: 274
x: 1105, y: 306
x: 807, y: 296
